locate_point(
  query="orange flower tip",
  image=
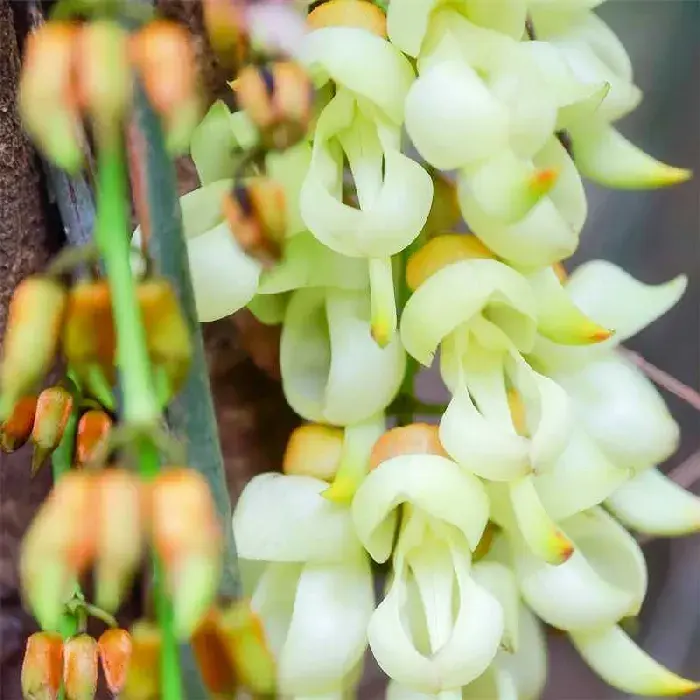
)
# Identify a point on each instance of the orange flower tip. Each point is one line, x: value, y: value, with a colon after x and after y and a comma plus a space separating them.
x: 314, y: 450
x: 413, y: 439
x: 359, y: 14
x: 543, y: 180
x: 234, y: 84
x: 115, y: 648
x: 601, y: 334
x: 560, y: 272
x: 562, y: 548
x: 382, y: 332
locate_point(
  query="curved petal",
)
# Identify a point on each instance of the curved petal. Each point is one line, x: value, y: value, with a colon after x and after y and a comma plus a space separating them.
x: 270, y: 308
x: 623, y: 665
x: 622, y: 411
x: 653, y: 504
x: 327, y: 633
x: 286, y: 519
x: 461, y: 291
x: 407, y: 22
x: 224, y: 278
x: 288, y: 168
x: 603, y: 581
x: 432, y: 483
x: 202, y: 208
x: 500, y: 582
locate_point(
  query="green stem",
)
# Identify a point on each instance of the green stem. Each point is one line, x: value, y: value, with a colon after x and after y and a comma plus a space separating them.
x: 140, y: 405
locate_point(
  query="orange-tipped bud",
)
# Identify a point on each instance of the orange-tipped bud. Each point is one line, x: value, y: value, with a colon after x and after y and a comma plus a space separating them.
x: 167, y: 335
x: 35, y: 318
x: 42, y: 666
x: 560, y: 272
x: 47, y: 100
x: 53, y: 409
x: 115, y: 649
x: 213, y: 656
x: 15, y: 431
x: 413, y: 439
x: 248, y: 648
x: 164, y: 56
x: 279, y: 100
x: 188, y: 537
x: 256, y: 214
x: 314, y: 450
x: 119, y: 506
x: 94, y: 428
x: 349, y: 13
x: 441, y: 251
x: 59, y: 545
x: 104, y: 80
x: 80, y: 667
x: 444, y: 213
x: 143, y: 678
x: 228, y: 32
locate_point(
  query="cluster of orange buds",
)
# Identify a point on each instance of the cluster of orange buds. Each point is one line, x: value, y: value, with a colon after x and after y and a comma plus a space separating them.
x: 78, y: 70
x: 51, y: 663
x: 104, y: 518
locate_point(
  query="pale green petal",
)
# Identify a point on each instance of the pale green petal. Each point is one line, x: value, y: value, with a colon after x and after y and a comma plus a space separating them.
x: 406, y: 23
x: 452, y: 118
x: 269, y: 308
x: 288, y: 168
x: 382, y: 76
x: 495, y: 684
x: 623, y: 665
x: 328, y: 629
x: 582, y: 477
x: 608, y: 158
x: 284, y: 518
x: 456, y: 294
x: 202, y: 208
x: 653, y: 504
x: 332, y: 370
x: 622, y: 411
x: 506, y: 17
x: 224, y: 278
x: 432, y: 483
x: 603, y: 581
x: 500, y: 582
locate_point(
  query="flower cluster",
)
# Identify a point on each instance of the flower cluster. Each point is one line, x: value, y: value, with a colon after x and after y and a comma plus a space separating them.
x: 510, y: 512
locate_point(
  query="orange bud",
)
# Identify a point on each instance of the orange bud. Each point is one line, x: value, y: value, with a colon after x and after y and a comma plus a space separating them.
x: 59, y: 545
x: 163, y: 54
x: 53, y: 409
x: 119, y: 505
x: 115, y: 649
x: 314, y: 450
x: 444, y: 213
x: 15, y: 431
x: 213, y: 657
x: 80, y: 667
x: 256, y: 214
x: 31, y: 338
x: 413, y: 439
x: 143, y: 676
x: 441, y: 251
x: 228, y: 34
x: 349, y: 13
x: 167, y: 334
x: 47, y: 101
x: 42, y: 666
x: 279, y: 100
x: 93, y: 432
x: 188, y: 537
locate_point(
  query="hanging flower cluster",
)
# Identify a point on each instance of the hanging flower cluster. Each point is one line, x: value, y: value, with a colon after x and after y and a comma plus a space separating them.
x: 512, y: 510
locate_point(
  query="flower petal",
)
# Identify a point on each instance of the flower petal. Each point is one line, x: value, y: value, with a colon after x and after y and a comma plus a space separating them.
x: 623, y: 665
x: 653, y: 504
x: 432, y: 483
x: 407, y: 22
x: 285, y: 518
x: 500, y: 582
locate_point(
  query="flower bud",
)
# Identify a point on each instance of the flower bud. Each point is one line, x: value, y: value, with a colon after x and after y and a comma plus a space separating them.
x: 187, y: 536
x: 441, y: 251
x: 53, y: 410
x: 59, y: 545
x: 42, y: 666
x: 349, y: 13
x: 80, y: 667
x: 444, y: 212
x: 227, y: 31
x: 256, y: 214
x: 143, y: 677
x: 47, y: 101
x: 314, y: 450
x: 119, y: 507
x: 167, y: 335
x: 213, y: 657
x: 414, y: 439
x: 15, y: 431
x: 93, y: 432
x: 33, y: 328
x: 279, y: 100
x: 104, y: 81
x: 163, y: 54
x: 115, y: 648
